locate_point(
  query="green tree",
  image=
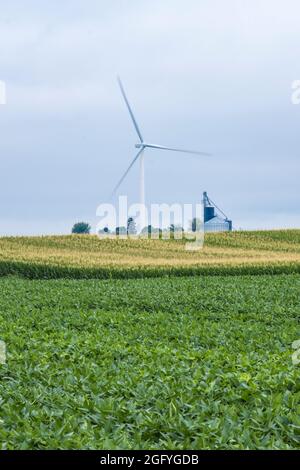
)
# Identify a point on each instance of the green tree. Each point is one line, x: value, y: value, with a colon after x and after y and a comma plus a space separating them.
x: 81, y: 228
x: 131, y: 226
x: 176, y: 228
x: 104, y: 231
x: 148, y: 229
x: 195, y: 224
x: 121, y: 230
x: 151, y: 232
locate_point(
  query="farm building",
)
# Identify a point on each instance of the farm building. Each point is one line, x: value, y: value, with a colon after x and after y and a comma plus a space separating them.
x: 214, y: 219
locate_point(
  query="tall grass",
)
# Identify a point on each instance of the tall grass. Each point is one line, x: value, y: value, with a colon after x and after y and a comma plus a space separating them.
x: 85, y: 256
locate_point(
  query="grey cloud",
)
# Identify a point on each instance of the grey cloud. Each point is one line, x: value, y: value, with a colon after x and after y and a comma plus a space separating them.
x: 214, y: 76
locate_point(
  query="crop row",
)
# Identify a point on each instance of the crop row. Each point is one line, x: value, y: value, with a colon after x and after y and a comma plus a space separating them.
x: 197, y: 363
x: 90, y: 257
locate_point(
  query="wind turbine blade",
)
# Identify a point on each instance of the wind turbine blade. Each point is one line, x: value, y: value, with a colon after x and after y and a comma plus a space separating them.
x: 130, y: 110
x: 177, y: 150
x: 127, y: 171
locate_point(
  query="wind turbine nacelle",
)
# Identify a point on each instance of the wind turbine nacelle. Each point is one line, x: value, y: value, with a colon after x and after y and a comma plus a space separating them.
x: 139, y: 146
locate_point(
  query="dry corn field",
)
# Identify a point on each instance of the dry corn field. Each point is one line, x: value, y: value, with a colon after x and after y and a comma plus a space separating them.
x: 86, y: 256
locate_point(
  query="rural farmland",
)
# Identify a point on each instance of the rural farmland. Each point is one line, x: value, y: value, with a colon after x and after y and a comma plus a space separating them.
x: 127, y: 344
x: 85, y: 256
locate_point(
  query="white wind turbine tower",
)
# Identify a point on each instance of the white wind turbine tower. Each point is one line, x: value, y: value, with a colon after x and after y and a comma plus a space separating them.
x: 142, y: 145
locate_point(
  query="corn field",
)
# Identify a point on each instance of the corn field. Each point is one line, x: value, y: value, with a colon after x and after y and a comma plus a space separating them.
x: 87, y: 256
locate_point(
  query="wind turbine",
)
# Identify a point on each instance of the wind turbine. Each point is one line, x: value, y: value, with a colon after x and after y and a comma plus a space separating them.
x: 142, y: 145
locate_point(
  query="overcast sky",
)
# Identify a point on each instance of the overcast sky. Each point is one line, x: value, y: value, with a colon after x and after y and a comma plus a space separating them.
x: 212, y: 75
